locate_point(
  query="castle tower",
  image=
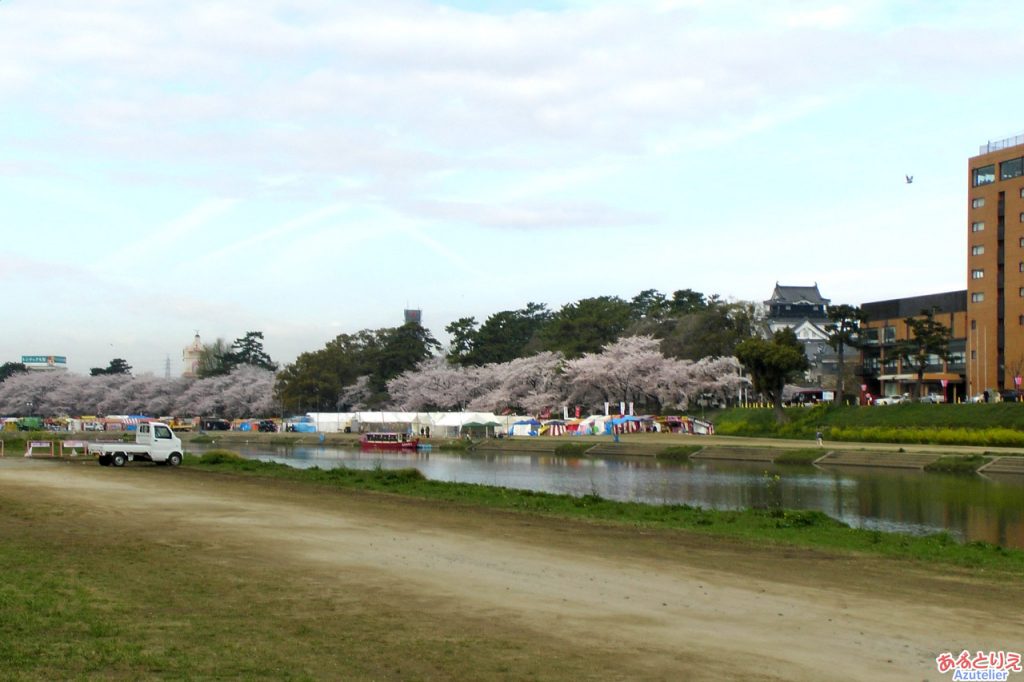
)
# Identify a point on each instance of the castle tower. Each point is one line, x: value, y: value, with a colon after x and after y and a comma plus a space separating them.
x: 190, y: 356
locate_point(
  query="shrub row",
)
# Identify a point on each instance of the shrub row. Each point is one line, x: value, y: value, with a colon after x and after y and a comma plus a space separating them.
x: 996, y: 437
x: 996, y: 425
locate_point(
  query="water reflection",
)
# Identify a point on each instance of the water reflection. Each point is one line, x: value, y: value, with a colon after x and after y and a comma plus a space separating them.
x: 969, y: 508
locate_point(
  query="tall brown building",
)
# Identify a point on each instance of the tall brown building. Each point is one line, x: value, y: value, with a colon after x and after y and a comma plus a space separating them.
x: 995, y: 266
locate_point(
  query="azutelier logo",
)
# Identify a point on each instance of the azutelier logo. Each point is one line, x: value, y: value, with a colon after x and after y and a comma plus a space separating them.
x: 992, y: 666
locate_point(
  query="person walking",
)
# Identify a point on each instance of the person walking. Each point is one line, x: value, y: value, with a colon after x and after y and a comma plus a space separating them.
x: 819, y: 437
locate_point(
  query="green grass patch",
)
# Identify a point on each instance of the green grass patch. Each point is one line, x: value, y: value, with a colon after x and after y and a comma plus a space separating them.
x: 201, y: 438
x: 800, y: 456
x: 678, y: 453
x: 572, y: 449
x: 772, y: 526
x: 220, y: 456
x: 452, y: 445
x: 79, y: 602
x: 994, y: 424
x: 958, y: 465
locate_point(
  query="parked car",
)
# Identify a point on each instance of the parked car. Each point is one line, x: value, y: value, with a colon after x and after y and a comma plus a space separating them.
x: 216, y: 425
x: 934, y: 398
x: 267, y: 425
x: 1010, y: 396
x: 893, y: 399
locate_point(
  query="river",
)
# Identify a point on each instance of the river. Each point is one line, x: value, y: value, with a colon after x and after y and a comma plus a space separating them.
x: 970, y: 508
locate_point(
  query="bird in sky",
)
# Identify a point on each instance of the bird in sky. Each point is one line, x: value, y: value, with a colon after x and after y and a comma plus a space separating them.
x: 910, y: 179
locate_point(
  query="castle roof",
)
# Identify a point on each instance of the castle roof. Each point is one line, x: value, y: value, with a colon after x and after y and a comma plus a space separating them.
x: 797, y: 295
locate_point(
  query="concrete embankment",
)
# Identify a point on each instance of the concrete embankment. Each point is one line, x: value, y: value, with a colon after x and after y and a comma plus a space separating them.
x: 1004, y: 465
x: 698, y: 448
x: 851, y: 455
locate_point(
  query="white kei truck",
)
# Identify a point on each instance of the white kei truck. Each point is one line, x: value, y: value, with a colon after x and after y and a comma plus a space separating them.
x: 154, y: 442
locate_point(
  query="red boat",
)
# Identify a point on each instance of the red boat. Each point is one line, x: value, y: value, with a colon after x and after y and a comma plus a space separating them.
x: 388, y: 441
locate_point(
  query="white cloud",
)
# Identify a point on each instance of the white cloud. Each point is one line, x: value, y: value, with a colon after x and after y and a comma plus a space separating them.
x: 319, y: 127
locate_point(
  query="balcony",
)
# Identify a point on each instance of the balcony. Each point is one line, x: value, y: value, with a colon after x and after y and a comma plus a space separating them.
x: 866, y: 371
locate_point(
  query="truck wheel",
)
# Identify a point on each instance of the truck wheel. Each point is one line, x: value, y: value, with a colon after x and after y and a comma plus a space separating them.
x: 104, y: 460
x: 119, y: 459
x: 174, y: 459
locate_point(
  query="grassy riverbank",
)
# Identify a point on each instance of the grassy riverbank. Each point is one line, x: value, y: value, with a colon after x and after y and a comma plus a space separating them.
x: 773, y: 525
x: 83, y: 598
x: 987, y: 425
x: 235, y: 570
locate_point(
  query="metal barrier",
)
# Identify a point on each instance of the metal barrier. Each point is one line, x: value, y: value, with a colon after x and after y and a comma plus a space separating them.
x: 33, y: 444
x: 73, y: 447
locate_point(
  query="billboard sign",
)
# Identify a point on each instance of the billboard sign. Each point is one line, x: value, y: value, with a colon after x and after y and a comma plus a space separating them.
x: 48, y: 360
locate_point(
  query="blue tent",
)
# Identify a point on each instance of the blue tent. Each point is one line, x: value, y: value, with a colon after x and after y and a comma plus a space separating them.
x: 619, y: 421
x: 524, y: 427
x: 303, y: 424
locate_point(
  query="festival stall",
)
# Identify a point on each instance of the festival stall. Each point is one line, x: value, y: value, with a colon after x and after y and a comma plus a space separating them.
x: 525, y: 427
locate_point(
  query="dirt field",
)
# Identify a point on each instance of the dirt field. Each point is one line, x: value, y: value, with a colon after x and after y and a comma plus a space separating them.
x: 614, y: 603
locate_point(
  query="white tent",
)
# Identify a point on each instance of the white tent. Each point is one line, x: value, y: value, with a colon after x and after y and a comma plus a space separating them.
x: 384, y: 421
x: 594, y: 424
x: 331, y: 422
x: 449, y: 424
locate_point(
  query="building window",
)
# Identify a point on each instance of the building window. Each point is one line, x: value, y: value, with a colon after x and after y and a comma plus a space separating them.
x: 984, y: 175
x: 888, y: 334
x: 1014, y: 168
x: 1022, y: 216
x: 974, y: 324
x: 1021, y: 242
x: 977, y: 202
x: 1021, y: 292
x: 1020, y: 320
x: 977, y: 297
x: 977, y: 250
x: 977, y: 274
x: 1020, y: 266
x: 974, y: 355
x: 977, y: 227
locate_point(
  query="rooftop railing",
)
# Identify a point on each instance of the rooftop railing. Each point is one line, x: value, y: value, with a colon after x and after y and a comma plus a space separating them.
x: 1005, y: 143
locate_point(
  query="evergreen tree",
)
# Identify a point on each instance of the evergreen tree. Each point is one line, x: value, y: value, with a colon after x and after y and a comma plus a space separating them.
x: 928, y: 344
x: 9, y: 369
x: 843, y: 332
x: 248, y: 350
x: 772, y: 363
x: 463, y: 332
x: 215, y: 359
x: 116, y: 366
x: 586, y: 326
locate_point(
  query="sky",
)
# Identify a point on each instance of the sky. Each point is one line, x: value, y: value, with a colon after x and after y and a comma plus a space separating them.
x: 308, y: 168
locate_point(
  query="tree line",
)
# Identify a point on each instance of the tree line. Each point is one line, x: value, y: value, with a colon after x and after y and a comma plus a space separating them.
x: 358, y: 370
x: 514, y: 359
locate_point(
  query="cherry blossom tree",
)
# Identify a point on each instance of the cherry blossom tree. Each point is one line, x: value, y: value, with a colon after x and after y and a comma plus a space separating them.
x: 631, y: 369
x: 720, y: 378
x: 529, y: 384
x: 434, y: 384
x: 625, y: 370
x: 356, y: 397
x: 246, y: 392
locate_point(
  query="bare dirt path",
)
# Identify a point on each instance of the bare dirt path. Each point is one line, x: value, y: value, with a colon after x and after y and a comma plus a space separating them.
x: 636, y: 604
